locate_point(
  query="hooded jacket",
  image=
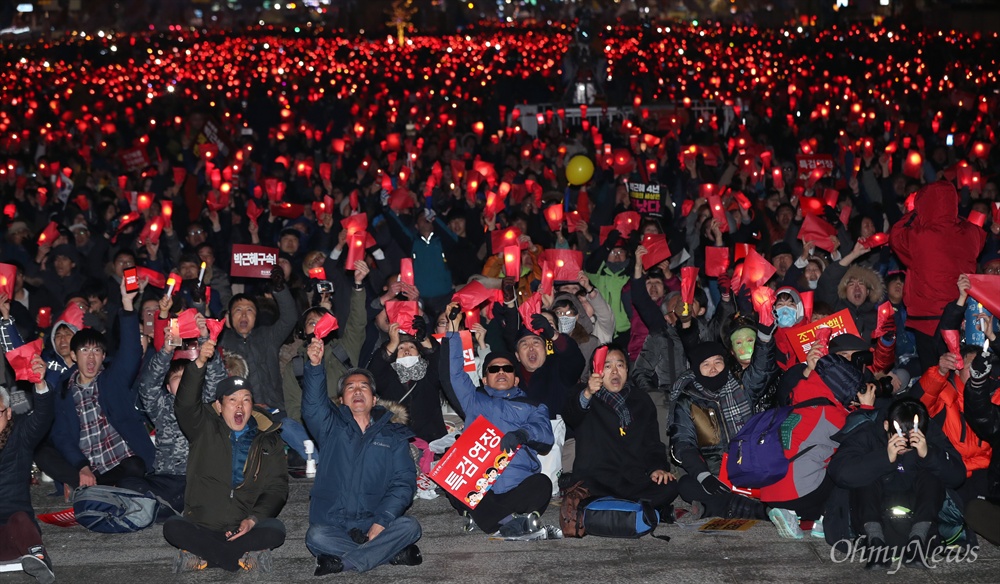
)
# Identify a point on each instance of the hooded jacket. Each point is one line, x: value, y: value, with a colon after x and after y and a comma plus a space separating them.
x: 937, y: 246
x: 786, y: 354
x: 832, y: 289
x: 363, y: 477
x: 507, y: 410
x: 210, y: 499
x: 15, y: 457
x: 944, y: 399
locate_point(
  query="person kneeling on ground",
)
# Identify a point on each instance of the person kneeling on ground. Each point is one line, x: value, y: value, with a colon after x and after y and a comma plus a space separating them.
x: 229, y: 516
x: 512, y: 508
x: 619, y: 452
x: 20, y: 537
x: 366, y: 477
x: 904, y: 463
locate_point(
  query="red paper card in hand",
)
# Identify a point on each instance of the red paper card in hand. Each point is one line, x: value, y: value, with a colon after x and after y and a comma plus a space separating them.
x: 996, y: 212
x: 152, y: 277
x: 823, y: 340
x: 406, y: 271
x: 566, y: 263
x: 472, y: 295
x: 875, y: 240
x: 471, y: 318
x: 763, y: 303
x: 355, y: 223
x: 317, y: 273
x: 502, y: 238
x: 777, y: 178
x: 49, y: 235
x: 512, y: 261
x: 886, y: 319
x: 689, y: 280
x: 325, y: 325
x: 355, y: 249
x: 7, y: 275
x: 986, y: 290
x: 807, y: 305
x: 817, y: 231
x: 977, y: 218
x: 554, y: 216
x: 20, y: 361
x: 402, y: 312
x: 627, y: 222
x: 214, y: 327
x: 756, y: 270
x: 187, y: 324
x: 656, y: 250
x: 529, y: 308
x: 253, y: 212
x: 548, y: 280
x: 72, y: 315
x: 600, y: 356
x: 716, y: 261
x: 951, y: 341
x: 718, y: 212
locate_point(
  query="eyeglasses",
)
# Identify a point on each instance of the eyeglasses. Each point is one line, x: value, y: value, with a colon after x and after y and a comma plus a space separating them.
x: 494, y: 369
x: 196, y: 232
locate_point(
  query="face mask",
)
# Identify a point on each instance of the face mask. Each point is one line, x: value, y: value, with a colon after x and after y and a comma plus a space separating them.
x: 786, y: 316
x: 813, y: 284
x: 616, y: 267
x: 408, y: 361
x: 743, y: 341
x: 567, y: 324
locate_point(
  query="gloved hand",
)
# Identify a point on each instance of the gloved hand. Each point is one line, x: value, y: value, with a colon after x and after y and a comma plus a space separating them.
x: 725, y: 281
x: 981, y: 366
x: 613, y: 236
x: 278, y: 279
x: 419, y: 326
x: 713, y: 485
x: 541, y: 324
x: 512, y: 440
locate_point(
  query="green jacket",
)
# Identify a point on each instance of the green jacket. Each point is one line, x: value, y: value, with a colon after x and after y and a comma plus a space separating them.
x: 351, y: 340
x: 210, y: 500
x: 610, y: 285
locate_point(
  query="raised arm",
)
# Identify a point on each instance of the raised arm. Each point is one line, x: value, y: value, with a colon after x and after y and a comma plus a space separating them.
x: 318, y: 412
x: 192, y: 415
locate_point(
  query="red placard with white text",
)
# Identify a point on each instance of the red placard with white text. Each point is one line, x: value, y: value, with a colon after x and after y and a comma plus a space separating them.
x: 807, y: 163
x: 253, y: 261
x: 802, y: 337
x: 473, y: 463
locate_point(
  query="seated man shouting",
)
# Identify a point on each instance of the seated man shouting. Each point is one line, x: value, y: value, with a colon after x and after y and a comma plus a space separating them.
x: 237, y: 478
x: 366, y: 477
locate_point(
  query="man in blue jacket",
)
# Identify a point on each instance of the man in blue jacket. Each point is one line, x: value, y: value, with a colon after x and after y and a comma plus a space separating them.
x: 98, y: 429
x: 512, y: 508
x: 366, y: 478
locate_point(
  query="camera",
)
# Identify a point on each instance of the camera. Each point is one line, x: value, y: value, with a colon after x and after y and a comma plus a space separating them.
x: 883, y: 387
x: 324, y: 287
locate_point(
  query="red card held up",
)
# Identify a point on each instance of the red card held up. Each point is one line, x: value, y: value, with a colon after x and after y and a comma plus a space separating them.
x: 326, y: 324
x: 214, y: 327
x: 187, y: 324
x: 656, y: 250
x: 20, y: 361
x: 716, y: 261
x: 402, y: 312
x: 600, y: 356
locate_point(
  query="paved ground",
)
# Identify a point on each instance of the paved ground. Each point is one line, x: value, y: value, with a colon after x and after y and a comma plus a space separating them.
x: 450, y: 555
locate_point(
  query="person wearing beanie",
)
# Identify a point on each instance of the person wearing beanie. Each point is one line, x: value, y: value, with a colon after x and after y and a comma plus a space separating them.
x: 230, y: 516
x: 710, y: 406
x: 514, y: 505
x: 781, y: 258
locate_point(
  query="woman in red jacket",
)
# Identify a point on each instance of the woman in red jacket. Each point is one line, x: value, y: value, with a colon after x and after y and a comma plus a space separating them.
x: 821, y: 401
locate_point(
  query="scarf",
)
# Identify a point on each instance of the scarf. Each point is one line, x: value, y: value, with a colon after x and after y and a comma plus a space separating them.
x: 733, y: 399
x: 616, y: 401
x: 414, y: 373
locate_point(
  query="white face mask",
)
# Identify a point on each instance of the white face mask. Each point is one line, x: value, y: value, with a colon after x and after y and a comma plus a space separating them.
x: 408, y: 361
x: 567, y: 324
x: 813, y: 284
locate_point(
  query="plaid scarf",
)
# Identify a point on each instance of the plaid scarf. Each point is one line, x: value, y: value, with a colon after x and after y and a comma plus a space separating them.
x: 734, y: 402
x: 5, y: 435
x: 616, y: 401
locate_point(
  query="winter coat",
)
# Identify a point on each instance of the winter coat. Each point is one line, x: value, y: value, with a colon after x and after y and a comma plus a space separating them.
x: 430, y: 266
x: 171, y: 445
x: 606, y: 457
x: 687, y: 391
x: 507, y: 410
x: 832, y: 290
x: 260, y: 349
x: 210, y: 498
x: 937, y: 246
x: 944, y: 400
x: 15, y: 457
x: 982, y: 412
x: 660, y: 362
x: 117, y: 398
x: 810, y: 440
x: 362, y: 477
x: 421, y: 398
x: 610, y: 285
x: 348, y: 345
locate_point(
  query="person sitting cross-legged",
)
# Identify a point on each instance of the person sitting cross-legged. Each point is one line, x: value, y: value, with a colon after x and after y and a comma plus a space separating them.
x: 366, y: 478
x: 230, y: 513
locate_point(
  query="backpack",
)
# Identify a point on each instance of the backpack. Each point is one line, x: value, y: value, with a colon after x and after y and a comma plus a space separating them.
x: 570, y: 517
x: 756, y: 454
x: 621, y: 518
x: 114, y: 510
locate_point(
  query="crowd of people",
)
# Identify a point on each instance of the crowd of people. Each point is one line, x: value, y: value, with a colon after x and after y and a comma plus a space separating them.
x: 619, y: 299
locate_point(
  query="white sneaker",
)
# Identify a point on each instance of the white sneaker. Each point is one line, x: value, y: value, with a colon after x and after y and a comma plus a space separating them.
x: 817, y: 530
x: 787, y: 523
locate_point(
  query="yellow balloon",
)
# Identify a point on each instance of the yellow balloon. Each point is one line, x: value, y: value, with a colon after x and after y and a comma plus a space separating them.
x: 579, y: 170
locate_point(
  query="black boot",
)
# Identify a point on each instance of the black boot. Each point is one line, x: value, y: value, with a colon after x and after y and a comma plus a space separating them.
x: 878, y: 554
x: 326, y: 565
x: 409, y: 556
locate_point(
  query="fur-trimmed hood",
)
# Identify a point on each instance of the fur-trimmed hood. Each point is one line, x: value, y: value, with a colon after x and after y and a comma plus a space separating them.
x: 870, y: 278
x: 400, y: 415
